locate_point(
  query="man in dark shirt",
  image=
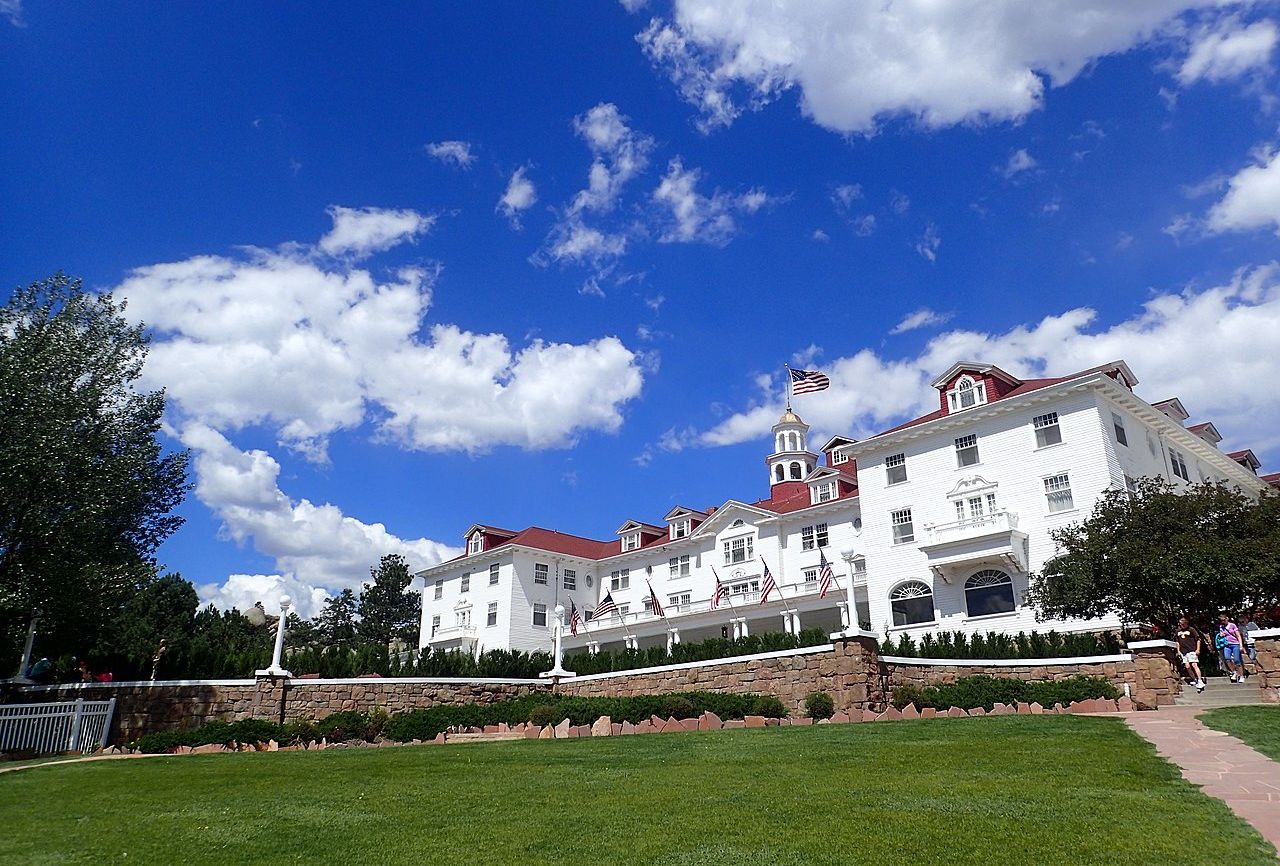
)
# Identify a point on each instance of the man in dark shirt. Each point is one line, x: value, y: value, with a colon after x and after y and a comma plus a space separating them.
x: 1189, y: 643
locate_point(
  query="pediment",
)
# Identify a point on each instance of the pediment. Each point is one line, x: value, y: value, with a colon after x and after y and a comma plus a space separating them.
x: 972, y: 484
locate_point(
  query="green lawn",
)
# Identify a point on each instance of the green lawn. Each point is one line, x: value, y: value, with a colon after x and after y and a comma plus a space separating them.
x: 1257, y: 726
x: 1014, y: 789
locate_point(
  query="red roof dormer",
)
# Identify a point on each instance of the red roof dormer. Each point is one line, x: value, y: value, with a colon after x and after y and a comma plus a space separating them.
x: 1207, y: 432
x: 1247, y: 459
x: 1174, y: 409
x: 970, y: 383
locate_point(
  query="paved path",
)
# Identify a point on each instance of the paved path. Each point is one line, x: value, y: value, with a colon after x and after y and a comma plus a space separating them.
x: 1221, y: 765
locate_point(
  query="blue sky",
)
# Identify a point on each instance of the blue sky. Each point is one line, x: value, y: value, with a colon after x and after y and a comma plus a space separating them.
x: 410, y: 269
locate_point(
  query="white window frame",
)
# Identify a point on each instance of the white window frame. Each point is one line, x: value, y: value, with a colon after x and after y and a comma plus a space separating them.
x: 491, y: 616
x: 984, y: 579
x: 631, y: 541
x: 680, y: 599
x: 1117, y: 426
x: 814, y: 537
x: 838, y: 457
x: 1179, y: 465
x: 810, y: 575
x: 539, y: 610
x: 475, y: 544
x: 965, y: 444
x: 902, y: 517
x: 967, y: 386
x: 435, y: 624
x: 908, y: 590
x: 824, y: 492
x: 493, y: 574
x: 620, y: 580
x: 569, y: 578
x: 541, y: 573
x: 892, y: 463
x: 439, y: 593
x: 1057, y: 491
x: 739, y: 550
x: 680, y: 528
x: 678, y: 566
x: 1046, y: 427
x: 466, y: 582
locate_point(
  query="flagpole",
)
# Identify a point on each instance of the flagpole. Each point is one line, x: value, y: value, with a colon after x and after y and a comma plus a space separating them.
x: 787, y: 367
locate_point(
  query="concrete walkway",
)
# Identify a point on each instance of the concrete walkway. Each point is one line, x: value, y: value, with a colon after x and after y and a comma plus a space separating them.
x: 1221, y: 765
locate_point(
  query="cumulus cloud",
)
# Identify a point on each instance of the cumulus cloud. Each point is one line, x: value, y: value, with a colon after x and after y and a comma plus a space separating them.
x: 455, y: 153
x: 307, y: 346
x: 1252, y: 199
x: 857, y: 65
x: 1232, y: 327
x: 1228, y: 49
x: 1018, y: 162
x: 922, y: 318
x: 692, y: 217
x: 619, y: 153
x: 317, y: 549
x: 360, y: 232
x: 520, y: 195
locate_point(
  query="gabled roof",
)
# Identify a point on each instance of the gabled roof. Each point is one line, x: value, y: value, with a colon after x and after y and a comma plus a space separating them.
x: 829, y: 471
x: 837, y: 441
x: 680, y: 511
x: 1272, y: 478
x: 488, y: 530
x: 1247, y: 459
x: 1173, y: 408
x: 633, y: 525
x: 976, y: 367
x: 1207, y: 432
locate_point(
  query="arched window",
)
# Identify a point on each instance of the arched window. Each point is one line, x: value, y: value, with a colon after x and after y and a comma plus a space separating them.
x: 795, y: 471
x: 967, y: 393
x: 779, y: 443
x: 780, y: 473
x: 988, y: 592
x: 911, y: 603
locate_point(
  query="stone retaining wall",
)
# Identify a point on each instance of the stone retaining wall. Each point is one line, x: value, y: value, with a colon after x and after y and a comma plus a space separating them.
x: 1268, y: 670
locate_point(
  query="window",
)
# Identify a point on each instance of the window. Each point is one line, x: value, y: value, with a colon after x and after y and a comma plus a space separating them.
x: 967, y: 450
x: 540, y: 573
x: 838, y: 457
x: 439, y: 589
x: 1047, y: 430
x: 1057, y: 490
x: 1179, y: 465
x: 903, y: 531
x: 824, y: 492
x: 966, y: 394
x: 680, y: 599
x: 620, y: 579
x: 493, y: 574
x: 540, y: 614
x: 745, y: 587
x: 988, y: 592
x: 680, y: 528
x: 1130, y: 484
x: 810, y: 576
x: 678, y: 566
x: 975, y: 507
x: 794, y: 469
x: 631, y: 542
x: 491, y: 619
x: 435, y: 625
x: 462, y: 618
x: 859, y: 570
x: 911, y: 603
x: 738, y: 550
x: 896, y: 468
x: 647, y: 601
x: 476, y: 544
x: 570, y: 579
x: 813, y: 536
x: 466, y: 583
x: 1118, y: 423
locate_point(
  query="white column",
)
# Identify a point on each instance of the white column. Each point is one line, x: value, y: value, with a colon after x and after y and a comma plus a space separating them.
x: 276, y: 670
x: 675, y: 635
x: 593, y: 647
x: 745, y: 633
x: 557, y: 646
x: 795, y: 622
x: 844, y: 614
x: 786, y: 622
x: 671, y: 641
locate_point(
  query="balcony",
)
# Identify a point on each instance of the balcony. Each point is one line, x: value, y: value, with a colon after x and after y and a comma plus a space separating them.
x: 453, y: 636
x: 990, y: 538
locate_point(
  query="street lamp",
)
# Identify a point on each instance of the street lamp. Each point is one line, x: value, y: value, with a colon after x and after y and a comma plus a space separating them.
x: 848, y: 554
x: 276, y: 670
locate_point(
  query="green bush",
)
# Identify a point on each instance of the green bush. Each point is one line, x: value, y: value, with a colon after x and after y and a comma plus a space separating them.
x: 607, y: 661
x: 542, y: 716
x: 347, y: 725
x: 679, y: 707
x: 998, y: 645
x: 818, y: 705
x: 986, y: 691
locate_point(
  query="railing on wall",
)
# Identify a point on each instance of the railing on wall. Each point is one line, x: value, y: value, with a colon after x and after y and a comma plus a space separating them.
x: 50, y: 729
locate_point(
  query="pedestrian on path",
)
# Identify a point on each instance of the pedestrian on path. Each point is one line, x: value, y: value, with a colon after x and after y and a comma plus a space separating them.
x: 1190, y: 644
x: 1247, y: 626
x: 1228, y: 640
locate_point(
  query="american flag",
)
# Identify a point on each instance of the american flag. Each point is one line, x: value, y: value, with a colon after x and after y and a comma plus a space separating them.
x: 721, y: 593
x: 824, y: 572
x: 808, y: 381
x: 653, y: 598
x: 769, y: 584
x: 606, y: 607
x: 575, y: 620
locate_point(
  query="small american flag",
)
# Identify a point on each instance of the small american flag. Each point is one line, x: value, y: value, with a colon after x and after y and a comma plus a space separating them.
x: 769, y: 584
x: 606, y: 607
x: 824, y: 572
x: 808, y: 381
x: 721, y: 593
x: 653, y: 599
x: 575, y: 619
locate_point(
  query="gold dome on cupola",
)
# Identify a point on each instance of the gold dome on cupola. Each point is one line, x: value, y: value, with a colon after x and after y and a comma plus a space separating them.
x: 789, y: 417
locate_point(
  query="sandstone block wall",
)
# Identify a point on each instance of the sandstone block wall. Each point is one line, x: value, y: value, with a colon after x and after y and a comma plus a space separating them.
x: 1268, y: 670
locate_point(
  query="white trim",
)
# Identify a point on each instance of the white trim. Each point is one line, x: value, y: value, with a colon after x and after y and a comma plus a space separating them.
x: 1152, y: 644
x: 1266, y: 632
x: 437, y: 681
x: 685, y: 666
x: 139, y: 683
x: 1008, y: 663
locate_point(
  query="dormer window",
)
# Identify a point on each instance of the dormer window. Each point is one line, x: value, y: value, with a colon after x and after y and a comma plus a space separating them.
x: 824, y: 492
x: 967, y: 393
x: 631, y: 541
x: 838, y: 457
x: 476, y: 544
x: 680, y: 528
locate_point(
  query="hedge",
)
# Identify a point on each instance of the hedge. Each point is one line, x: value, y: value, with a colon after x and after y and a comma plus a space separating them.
x: 607, y: 661
x: 426, y: 723
x: 998, y: 645
x: 986, y: 691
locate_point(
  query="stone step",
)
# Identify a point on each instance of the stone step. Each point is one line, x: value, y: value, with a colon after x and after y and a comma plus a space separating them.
x: 484, y: 738
x: 1221, y: 692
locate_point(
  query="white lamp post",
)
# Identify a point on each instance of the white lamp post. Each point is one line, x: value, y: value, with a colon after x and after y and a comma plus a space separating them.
x: 276, y: 670
x: 557, y: 646
x: 848, y: 554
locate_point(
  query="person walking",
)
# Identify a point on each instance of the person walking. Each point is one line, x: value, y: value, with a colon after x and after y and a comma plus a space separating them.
x: 1247, y: 627
x: 1190, y: 644
x: 1228, y: 638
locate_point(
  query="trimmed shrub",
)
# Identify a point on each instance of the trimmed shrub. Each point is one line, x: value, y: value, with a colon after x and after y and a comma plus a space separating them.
x: 819, y: 705
x: 986, y: 691
x: 998, y: 645
x: 542, y: 716
x: 678, y: 706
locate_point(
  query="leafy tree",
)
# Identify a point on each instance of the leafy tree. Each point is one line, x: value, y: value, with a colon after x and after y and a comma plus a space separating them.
x: 387, y: 611
x: 336, y: 623
x: 163, y: 609
x: 227, y: 644
x: 1157, y: 554
x: 86, y: 492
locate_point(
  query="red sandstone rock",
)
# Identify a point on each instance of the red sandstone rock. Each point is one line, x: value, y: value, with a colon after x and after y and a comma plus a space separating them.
x: 709, y: 721
x: 840, y: 719
x: 801, y: 721
x: 869, y: 715
x: 580, y: 731
x: 645, y: 727
x: 735, y: 724
x: 929, y: 713
x: 490, y: 729
x: 547, y: 733
x: 1124, y: 705
x: 1036, y: 708
x: 1024, y: 708
x: 910, y: 712
x: 772, y: 723
x: 532, y: 732
x: 562, y: 729
x: 615, y: 729
x: 1057, y: 708
x: 603, y: 727
x: 1077, y: 707
x: 627, y: 728
x: 657, y: 721
x: 956, y: 713
x: 977, y: 711
x: 671, y: 725
x: 754, y: 721
x: 997, y: 709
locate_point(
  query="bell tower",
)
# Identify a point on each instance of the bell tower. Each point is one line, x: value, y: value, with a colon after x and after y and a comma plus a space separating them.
x: 791, y: 460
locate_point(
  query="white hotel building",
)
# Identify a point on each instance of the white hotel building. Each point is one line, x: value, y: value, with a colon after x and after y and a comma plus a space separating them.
x: 937, y: 522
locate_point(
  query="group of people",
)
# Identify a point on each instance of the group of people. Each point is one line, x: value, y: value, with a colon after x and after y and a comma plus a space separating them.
x: 1231, y: 642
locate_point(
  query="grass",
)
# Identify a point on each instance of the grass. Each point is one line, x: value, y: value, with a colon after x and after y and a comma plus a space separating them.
x: 1011, y: 789
x: 1257, y: 726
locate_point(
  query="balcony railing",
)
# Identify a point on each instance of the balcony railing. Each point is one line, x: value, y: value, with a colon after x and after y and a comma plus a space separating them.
x: 738, y: 602
x: 994, y: 523
x: 453, y: 632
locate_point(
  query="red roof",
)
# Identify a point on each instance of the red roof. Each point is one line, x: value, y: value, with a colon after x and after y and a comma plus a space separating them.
x: 1272, y: 478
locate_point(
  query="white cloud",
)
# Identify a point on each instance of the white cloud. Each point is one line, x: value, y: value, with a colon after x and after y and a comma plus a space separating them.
x: 921, y: 318
x: 899, y: 202
x: 859, y: 64
x: 12, y: 10
x: 317, y: 548
x: 864, y: 225
x: 633, y: 5
x: 929, y: 242
x: 1228, y: 49
x: 306, y: 346
x: 1019, y: 161
x: 820, y: 236
x: 619, y: 154
x: 359, y: 232
x: 1252, y: 200
x: 1231, y: 326
x: 846, y: 194
x: 455, y: 153
x: 694, y: 217
x: 520, y: 195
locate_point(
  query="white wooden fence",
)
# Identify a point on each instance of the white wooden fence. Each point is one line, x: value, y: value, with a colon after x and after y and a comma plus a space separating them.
x: 48, y: 729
